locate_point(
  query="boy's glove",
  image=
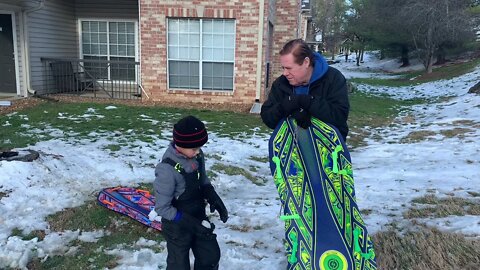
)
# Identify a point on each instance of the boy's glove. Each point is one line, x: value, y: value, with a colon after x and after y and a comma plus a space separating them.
x: 153, y: 216
x: 215, y: 202
x: 303, y: 118
x: 194, y: 225
x: 290, y: 104
x: 305, y: 101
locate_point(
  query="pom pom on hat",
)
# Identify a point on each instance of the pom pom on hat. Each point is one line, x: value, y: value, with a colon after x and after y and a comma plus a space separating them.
x: 189, y: 132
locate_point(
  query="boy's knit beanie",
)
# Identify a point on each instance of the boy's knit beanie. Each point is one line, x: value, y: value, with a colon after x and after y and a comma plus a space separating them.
x: 189, y: 132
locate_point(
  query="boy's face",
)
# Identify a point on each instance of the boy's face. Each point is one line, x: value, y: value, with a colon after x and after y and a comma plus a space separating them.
x: 188, y: 152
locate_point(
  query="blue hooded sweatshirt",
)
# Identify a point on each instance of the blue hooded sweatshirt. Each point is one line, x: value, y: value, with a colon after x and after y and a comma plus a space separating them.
x: 319, y: 69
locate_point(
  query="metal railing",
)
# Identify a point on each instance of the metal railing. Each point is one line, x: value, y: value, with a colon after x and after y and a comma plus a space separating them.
x: 116, y: 79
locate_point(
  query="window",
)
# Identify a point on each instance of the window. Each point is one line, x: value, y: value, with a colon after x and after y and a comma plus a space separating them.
x: 201, y: 53
x: 103, y: 40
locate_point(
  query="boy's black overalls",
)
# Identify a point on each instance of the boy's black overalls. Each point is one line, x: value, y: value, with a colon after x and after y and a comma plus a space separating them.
x: 179, y: 240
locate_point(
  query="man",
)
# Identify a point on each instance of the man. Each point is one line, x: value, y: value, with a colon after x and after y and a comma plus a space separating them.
x: 308, y: 87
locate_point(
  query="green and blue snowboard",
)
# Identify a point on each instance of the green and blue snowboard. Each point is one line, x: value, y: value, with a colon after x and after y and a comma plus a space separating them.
x: 313, y: 174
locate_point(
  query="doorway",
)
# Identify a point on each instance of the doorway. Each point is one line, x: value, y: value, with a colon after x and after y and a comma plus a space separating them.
x: 7, y: 56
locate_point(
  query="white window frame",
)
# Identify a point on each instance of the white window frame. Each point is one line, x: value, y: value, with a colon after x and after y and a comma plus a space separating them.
x: 201, y: 60
x: 108, y: 21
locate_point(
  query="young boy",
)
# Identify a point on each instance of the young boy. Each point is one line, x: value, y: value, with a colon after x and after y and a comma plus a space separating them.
x: 181, y: 189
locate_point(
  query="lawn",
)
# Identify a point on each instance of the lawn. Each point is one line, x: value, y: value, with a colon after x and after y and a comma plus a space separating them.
x: 125, y: 126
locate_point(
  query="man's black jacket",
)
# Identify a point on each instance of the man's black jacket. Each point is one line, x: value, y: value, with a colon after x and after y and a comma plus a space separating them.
x: 330, y: 103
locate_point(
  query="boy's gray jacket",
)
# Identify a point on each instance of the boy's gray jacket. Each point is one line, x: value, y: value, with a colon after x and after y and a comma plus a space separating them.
x: 170, y: 184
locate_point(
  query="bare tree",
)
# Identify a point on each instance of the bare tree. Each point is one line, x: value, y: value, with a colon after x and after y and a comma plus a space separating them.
x: 435, y: 23
x: 329, y: 17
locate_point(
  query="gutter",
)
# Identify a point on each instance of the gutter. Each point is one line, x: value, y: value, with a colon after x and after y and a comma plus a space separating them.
x: 261, y: 17
x: 25, y: 47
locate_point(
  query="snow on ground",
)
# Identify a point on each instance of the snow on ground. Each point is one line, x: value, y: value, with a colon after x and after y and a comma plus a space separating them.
x: 373, y: 67
x: 389, y: 173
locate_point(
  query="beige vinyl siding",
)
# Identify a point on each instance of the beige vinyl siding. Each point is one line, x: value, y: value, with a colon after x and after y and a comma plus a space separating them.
x: 53, y: 30
x: 12, y: 3
x: 52, y: 33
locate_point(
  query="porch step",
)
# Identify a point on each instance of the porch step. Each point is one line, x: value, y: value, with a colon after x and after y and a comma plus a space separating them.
x: 5, y: 103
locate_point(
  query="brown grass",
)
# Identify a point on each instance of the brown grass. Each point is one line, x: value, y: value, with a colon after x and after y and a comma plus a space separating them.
x: 3, y: 195
x: 464, y: 122
x: 473, y: 193
x: 456, y: 132
x: 417, y: 136
x: 357, y: 139
x: 426, y: 249
x: 436, y: 207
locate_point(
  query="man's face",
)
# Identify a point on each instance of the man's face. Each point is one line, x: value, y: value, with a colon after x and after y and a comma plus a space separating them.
x: 295, y: 73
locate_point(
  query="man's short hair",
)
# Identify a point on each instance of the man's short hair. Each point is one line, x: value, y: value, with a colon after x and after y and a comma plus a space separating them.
x: 299, y: 49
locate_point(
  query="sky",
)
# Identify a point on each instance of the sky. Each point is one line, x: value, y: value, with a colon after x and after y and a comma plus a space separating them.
x: 388, y: 174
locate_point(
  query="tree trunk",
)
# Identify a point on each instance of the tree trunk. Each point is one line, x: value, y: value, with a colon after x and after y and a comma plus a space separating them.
x: 430, y: 63
x: 405, y: 59
x: 441, y: 57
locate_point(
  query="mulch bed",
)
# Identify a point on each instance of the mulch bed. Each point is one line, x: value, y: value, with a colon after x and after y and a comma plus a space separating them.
x: 23, y: 103
x: 20, y: 104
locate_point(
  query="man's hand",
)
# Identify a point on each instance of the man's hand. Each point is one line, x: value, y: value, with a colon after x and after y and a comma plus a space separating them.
x: 305, y: 101
x: 303, y: 118
x: 290, y: 104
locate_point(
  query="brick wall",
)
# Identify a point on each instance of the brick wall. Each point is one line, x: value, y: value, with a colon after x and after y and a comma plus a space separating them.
x: 286, y: 28
x: 153, y: 47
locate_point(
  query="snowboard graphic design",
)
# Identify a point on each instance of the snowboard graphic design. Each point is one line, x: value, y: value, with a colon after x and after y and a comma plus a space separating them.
x: 132, y: 202
x: 313, y: 174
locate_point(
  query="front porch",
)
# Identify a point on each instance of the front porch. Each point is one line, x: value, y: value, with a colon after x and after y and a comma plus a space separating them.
x: 79, y: 32
x: 92, y: 78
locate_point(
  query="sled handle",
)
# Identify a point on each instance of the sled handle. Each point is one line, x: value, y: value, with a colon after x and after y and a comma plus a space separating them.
x: 293, y: 256
x: 108, y: 203
x: 366, y: 256
x: 288, y: 217
x: 278, y: 168
x: 146, y: 192
x: 335, y: 169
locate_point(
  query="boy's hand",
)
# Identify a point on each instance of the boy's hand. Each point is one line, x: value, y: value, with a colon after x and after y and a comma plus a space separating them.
x: 221, y: 209
x: 195, y: 226
x: 215, y: 202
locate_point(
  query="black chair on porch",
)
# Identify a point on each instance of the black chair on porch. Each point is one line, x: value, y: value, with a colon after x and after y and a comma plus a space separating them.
x: 68, y: 80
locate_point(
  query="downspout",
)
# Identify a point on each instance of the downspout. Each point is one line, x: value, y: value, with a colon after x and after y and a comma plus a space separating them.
x: 140, y: 50
x: 26, y: 53
x: 261, y: 17
x: 305, y: 29
x: 299, y: 20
